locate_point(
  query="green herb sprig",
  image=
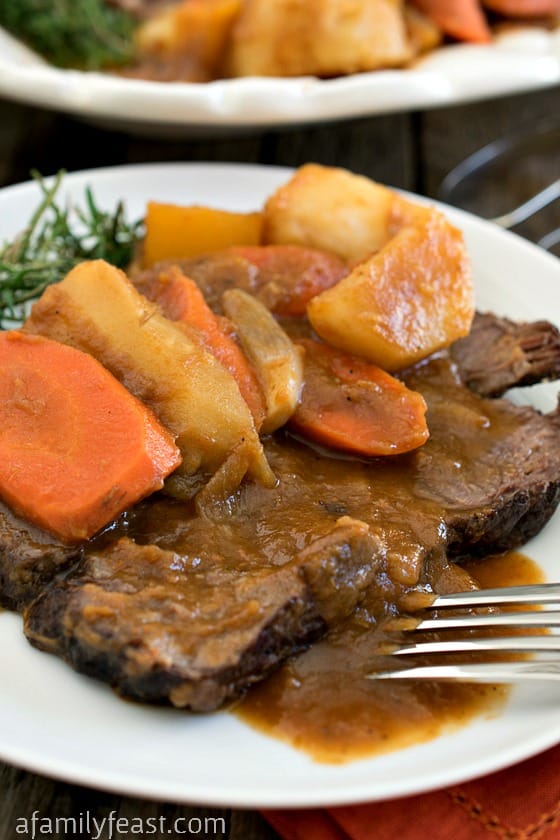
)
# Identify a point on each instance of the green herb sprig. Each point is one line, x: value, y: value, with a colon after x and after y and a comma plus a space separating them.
x: 56, y: 239
x: 86, y: 34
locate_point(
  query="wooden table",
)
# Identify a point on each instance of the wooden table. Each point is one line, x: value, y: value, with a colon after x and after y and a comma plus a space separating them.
x: 413, y: 151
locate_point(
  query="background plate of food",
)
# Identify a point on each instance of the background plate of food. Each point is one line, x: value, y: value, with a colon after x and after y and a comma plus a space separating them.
x: 269, y: 751
x: 223, y: 64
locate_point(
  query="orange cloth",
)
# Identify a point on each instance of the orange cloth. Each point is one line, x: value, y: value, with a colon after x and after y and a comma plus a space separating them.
x: 520, y: 803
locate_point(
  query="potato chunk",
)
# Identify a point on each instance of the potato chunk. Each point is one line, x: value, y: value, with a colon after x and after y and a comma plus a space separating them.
x: 96, y: 309
x: 318, y: 37
x: 174, y: 232
x: 330, y: 209
x: 191, y: 34
x: 423, y: 33
x: 412, y: 298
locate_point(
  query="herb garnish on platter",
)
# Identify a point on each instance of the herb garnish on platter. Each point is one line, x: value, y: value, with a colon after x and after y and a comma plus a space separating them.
x: 86, y: 34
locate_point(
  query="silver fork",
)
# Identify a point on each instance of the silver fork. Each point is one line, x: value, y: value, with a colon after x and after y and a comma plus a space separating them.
x: 477, y: 182
x: 545, y: 595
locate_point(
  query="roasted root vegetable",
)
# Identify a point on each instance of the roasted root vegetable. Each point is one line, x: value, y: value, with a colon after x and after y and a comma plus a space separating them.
x: 197, y: 31
x: 330, y: 209
x: 317, y: 37
x: 274, y: 357
x: 181, y: 300
x: 77, y: 447
x: 411, y: 299
x: 96, y: 309
x: 461, y: 19
x: 352, y: 405
x: 524, y: 8
x: 174, y: 232
x: 288, y: 276
x: 423, y: 33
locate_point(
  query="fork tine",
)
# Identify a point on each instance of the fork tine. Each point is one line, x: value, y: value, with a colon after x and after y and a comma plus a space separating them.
x: 511, y: 644
x: 489, y: 672
x: 484, y: 672
x: 549, y: 240
x: 545, y: 618
x: 529, y: 208
x: 543, y: 593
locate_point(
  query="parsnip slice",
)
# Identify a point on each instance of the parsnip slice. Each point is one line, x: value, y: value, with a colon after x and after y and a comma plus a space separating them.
x: 275, y: 359
x: 96, y: 309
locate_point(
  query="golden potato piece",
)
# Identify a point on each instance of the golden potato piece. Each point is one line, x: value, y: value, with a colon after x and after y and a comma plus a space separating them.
x: 174, y: 232
x: 330, y: 209
x: 191, y: 35
x: 96, y: 309
x: 412, y: 298
x: 318, y: 37
x: 423, y: 33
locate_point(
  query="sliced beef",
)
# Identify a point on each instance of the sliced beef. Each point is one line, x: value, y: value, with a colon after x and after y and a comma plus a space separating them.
x: 192, y: 608
x: 500, y: 354
x: 29, y: 558
x: 494, y: 466
x: 199, y: 628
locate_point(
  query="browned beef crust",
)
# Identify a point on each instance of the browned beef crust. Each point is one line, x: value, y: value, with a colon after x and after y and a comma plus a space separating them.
x: 29, y: 559
x: 499, y: 354
x: 499, y: 481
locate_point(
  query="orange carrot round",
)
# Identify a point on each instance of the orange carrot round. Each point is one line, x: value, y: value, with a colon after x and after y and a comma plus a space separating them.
x: 524, y: 8
x: 352, y: 405
x: 461, y: 19
x: 290, y: 275
x: 76, y: 447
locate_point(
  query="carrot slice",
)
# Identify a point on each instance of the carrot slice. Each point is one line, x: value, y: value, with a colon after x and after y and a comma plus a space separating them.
x: 462, y: 19
x: 181, y: 300
x: 290, y: 275
x: 352, y: 405
x: 524, y: 8
x: 76, y: 447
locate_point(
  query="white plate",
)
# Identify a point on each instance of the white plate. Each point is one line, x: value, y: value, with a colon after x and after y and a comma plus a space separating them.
x: 59, y: 723
x: 519, y: 61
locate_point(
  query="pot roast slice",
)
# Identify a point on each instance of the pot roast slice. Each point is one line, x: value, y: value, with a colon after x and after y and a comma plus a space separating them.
x: 198, y: 628
x: 193, y: 608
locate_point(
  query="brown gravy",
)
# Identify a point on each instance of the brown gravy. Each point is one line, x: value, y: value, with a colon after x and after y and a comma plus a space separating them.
x: 320, y: 701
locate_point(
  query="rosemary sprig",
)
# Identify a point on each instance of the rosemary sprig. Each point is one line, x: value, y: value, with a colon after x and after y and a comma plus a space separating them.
x: 87, y: 34
x: 55, y: 240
